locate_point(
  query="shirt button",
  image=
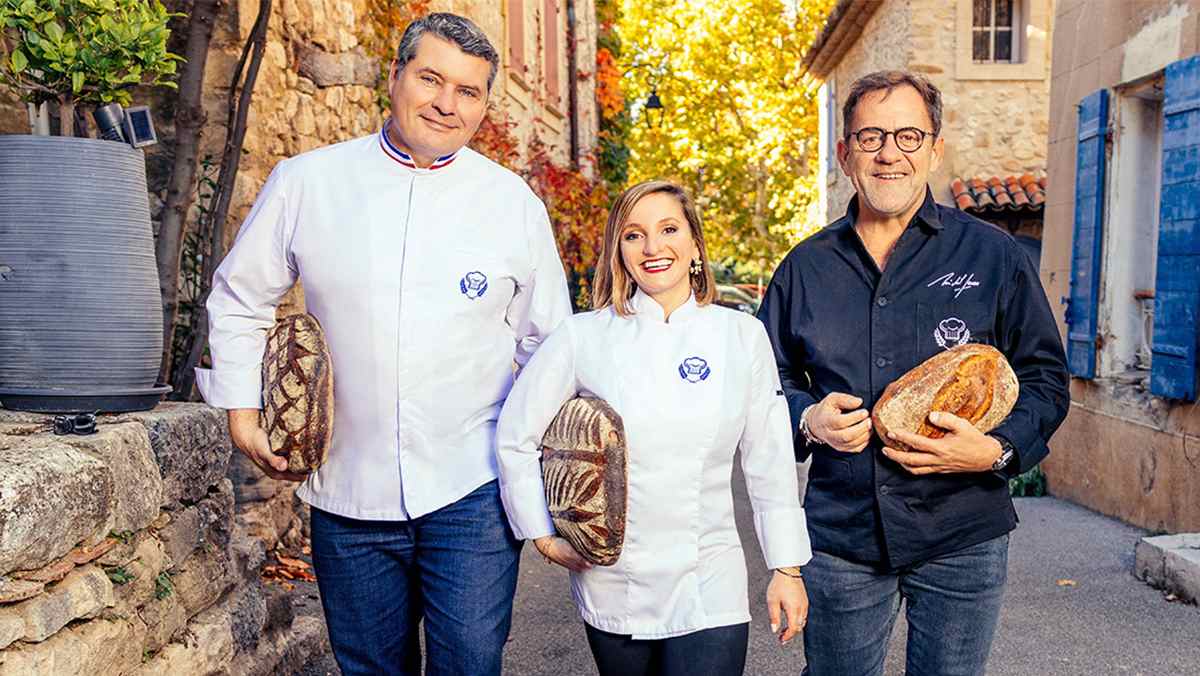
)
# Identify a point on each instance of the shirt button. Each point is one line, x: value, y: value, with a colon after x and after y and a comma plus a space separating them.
x: 882, y: 301
x: 884, y: 490
x: 881, y: 362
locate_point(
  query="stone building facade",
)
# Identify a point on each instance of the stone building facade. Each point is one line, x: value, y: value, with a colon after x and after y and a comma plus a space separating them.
x: 1118, y: 257
x: 318, y: 82
x: 995, y: 118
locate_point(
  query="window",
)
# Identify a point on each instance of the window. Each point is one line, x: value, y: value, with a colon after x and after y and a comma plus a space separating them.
x: 996, y: 31
x: 516, y: 37
x: 1002, y: 39
x: 1131, y: 241
x: 1137, y: 222
x: 550, y: 58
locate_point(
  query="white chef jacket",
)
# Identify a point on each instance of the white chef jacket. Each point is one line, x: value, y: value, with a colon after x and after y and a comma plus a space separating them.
x: 428, y: 283
x: 690, y: 392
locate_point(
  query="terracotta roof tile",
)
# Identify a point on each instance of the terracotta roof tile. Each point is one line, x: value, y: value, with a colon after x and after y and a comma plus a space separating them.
x: 1026, y: 192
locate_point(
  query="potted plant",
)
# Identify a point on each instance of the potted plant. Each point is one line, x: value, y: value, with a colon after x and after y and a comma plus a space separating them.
x: 80, y: 311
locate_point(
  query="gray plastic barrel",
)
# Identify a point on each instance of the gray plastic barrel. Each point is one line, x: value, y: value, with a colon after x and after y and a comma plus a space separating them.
x: 80, y: 310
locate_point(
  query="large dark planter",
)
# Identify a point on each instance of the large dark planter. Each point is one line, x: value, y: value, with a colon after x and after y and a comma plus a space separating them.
x: 80, y: 310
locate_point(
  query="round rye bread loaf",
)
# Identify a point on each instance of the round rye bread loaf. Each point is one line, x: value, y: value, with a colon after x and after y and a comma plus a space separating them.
x: 297, y: 376
x: 584, y: 471
x: 972, y: 381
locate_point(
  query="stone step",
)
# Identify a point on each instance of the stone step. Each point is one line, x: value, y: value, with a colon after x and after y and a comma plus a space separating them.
x: 1170, y: 563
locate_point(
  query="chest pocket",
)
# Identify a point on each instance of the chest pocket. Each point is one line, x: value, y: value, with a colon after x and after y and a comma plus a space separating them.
x: 471, y: 284
x: 941, y: 326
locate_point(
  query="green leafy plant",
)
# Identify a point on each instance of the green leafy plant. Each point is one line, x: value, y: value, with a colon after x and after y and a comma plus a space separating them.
x: 119, y: 575
x: 1029, y: 485
x: 163, y: 586
x: 83, y: 51
x: 123, y: 536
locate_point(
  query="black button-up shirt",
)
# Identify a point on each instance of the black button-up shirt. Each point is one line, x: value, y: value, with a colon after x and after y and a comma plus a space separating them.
x: 839, y: 324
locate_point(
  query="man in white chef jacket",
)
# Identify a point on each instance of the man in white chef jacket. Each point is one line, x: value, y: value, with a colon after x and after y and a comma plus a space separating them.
x: 431, y: 270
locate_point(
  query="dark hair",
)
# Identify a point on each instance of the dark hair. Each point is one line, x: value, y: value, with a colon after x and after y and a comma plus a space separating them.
x: 612, y: 284
x: 452, y: 28
x: 887, y: 80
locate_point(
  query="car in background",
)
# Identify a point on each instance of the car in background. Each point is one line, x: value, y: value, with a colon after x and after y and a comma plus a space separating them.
x: 731, y: 296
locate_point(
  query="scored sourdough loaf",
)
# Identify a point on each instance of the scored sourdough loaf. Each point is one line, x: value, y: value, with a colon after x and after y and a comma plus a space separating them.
x: 585, y: 476
x: 297, y: 376
x: 972, y: 381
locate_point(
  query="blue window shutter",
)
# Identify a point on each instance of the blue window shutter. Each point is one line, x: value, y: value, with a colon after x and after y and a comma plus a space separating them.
x: 1083, y: 310
x: 1177, y: 288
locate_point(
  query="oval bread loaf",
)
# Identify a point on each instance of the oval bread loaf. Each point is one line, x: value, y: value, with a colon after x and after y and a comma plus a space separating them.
x: 297, y: 377
x: 972, y: 381
x: 584, y: 472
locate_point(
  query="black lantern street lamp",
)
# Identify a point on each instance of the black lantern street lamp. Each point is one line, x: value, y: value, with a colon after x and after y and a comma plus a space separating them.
x: 654, y: 109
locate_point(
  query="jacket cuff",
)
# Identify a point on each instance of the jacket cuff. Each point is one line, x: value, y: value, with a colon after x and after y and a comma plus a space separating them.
x: 230, y: 389
x: 1030, y: 447
x: 525, y: 505
x: 797, y: 401
x: 783, y: 537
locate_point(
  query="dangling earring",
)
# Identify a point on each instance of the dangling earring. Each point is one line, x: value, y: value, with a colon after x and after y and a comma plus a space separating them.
x: 695, y: 268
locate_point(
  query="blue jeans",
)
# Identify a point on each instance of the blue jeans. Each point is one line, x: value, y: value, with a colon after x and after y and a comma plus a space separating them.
x: 455, y: 567
x: 952, y: 605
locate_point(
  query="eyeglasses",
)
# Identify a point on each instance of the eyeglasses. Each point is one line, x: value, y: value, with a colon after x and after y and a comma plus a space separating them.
x: 908, y: 139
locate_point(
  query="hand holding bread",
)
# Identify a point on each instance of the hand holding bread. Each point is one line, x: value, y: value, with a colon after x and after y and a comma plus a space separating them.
x: 936, y: 417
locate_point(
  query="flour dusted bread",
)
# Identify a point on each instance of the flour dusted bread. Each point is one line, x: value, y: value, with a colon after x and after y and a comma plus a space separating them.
x: 972, y: 381
x: 297, y: 377
x: 584, y: 472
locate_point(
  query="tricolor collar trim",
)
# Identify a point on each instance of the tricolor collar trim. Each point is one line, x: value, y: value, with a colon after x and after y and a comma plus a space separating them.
x: 404, y: 158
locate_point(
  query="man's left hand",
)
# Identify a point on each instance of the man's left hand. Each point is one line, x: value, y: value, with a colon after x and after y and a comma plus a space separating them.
x: 963, y: 449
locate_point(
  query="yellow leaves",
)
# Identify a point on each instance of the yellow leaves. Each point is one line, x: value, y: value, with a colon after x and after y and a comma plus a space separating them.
x: 735, y: 129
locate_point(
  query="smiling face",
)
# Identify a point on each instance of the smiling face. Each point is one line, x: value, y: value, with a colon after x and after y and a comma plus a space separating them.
x: 890, y: 182
x: 438, y: 99
x: 657, y: 247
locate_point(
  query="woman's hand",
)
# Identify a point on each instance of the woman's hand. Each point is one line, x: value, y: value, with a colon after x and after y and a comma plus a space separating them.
x: 787, y: 597
x: 557, y: 550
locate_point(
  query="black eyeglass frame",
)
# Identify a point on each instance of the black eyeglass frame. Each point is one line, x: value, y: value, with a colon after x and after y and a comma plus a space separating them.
x: 895, y: 134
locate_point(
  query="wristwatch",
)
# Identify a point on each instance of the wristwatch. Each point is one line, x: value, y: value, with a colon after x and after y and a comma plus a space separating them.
x: 809, y: 439
x: 1007, y: 453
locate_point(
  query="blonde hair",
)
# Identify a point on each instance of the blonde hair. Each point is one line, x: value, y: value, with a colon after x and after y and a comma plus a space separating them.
x: 613, y: 284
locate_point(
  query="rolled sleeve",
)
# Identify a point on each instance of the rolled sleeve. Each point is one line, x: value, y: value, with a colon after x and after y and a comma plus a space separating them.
x: 230, y: 389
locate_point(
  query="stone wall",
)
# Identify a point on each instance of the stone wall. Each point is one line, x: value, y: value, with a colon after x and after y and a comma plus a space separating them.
x: 880, y: 46
x: 317, y: 85
x: 1121, y: 451
x: 991, y: 126
x: 123, y: 552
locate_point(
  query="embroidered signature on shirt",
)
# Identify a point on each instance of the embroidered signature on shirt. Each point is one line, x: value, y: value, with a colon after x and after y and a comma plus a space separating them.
x: 955, y: 281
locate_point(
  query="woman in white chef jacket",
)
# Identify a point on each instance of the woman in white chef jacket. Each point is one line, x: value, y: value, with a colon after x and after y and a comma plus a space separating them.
x: 693, y: 382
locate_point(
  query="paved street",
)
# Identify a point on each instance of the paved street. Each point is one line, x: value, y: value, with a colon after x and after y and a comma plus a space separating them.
x: 1106, y: 623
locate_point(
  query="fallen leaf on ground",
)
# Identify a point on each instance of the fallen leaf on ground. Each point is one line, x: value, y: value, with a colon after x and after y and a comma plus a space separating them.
x: 293, y: 563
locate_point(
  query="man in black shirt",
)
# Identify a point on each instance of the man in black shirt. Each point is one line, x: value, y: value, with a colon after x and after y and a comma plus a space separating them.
x: 895, y: 281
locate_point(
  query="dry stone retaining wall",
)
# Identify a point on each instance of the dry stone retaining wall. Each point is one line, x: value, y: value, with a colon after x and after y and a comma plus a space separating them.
x: 130, y: 552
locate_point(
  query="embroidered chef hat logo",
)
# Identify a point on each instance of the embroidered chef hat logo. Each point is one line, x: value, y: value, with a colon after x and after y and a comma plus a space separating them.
x: 473, y: 284
x: 951, y: 332
x: 694, y: 369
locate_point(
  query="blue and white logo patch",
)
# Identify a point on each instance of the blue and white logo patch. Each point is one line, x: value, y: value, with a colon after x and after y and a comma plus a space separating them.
x: 694, y: 369
x: 473, y: 284
x: 951, y: 332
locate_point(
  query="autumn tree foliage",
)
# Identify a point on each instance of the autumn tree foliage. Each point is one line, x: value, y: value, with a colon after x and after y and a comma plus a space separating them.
x: 739, y: 127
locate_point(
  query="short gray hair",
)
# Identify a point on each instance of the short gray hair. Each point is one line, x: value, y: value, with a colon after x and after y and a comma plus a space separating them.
x: 886, y: 81
x: 453, y: 28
